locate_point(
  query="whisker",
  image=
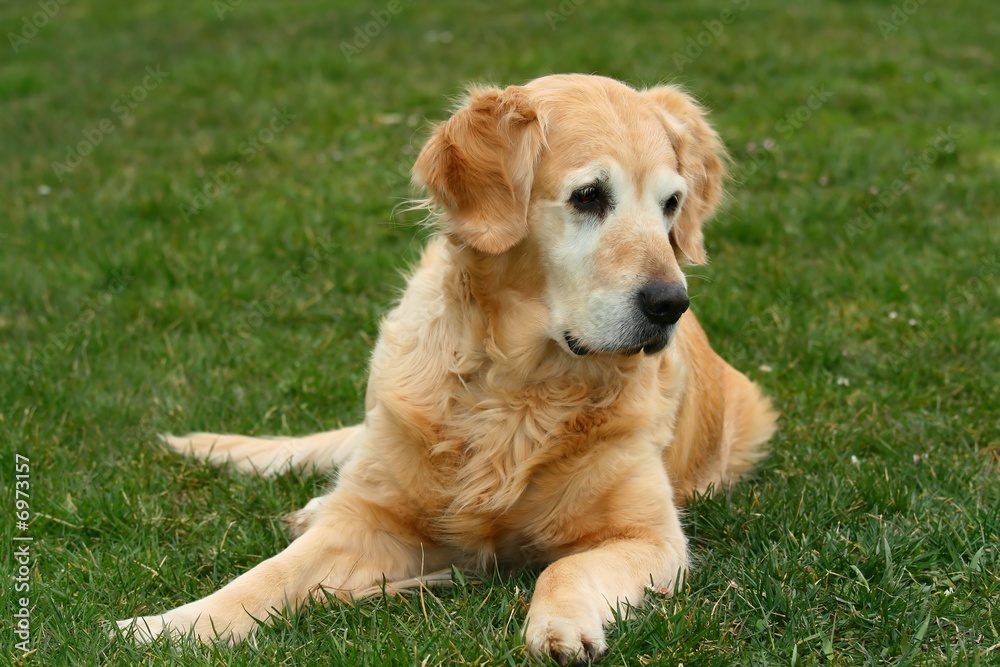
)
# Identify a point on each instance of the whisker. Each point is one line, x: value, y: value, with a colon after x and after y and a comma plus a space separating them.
x: 700, y: 276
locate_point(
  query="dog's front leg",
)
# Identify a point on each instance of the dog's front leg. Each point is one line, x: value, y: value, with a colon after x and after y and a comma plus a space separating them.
x: 347, y: 551
x: 577, y: 596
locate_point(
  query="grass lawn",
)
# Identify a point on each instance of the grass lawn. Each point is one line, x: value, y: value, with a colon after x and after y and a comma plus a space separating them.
x: 167, y: 168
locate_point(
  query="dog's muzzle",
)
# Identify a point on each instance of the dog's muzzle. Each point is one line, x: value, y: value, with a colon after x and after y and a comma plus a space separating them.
x: 660, y: 306
x: 663, y: 303
x: 574, y: 345
x: 652, y: 345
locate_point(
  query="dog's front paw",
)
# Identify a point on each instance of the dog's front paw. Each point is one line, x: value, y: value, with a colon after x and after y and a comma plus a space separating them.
x: 570, y: 637
x: 142, y: 629
x: 191, y: 621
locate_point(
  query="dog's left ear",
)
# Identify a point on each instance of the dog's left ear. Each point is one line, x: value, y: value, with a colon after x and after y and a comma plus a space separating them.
x: 702, y: 156
x: 479, y: 166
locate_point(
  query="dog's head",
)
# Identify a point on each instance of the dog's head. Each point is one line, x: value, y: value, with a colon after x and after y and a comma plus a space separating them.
x: 608, y: 185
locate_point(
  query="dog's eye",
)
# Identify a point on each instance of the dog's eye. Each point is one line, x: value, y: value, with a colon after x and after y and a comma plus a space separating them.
x: 671, y: 204
x: 591, y: 199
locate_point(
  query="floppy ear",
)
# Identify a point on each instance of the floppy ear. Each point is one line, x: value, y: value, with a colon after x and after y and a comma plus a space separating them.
x: 479, y: 166
x: 702, y: 163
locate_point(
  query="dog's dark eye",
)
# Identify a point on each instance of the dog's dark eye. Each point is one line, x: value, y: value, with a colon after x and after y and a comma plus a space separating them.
x: 591, y: 199
x: 670, y: 206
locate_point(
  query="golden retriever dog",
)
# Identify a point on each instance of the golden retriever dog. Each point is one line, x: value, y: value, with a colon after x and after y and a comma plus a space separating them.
x: 541, y: 395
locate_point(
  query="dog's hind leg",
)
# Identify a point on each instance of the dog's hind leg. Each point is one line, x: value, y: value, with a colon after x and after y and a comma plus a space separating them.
x: 299, y: 521
x: 321, y: 452
x: 750, y: 421
x: 352, y: 549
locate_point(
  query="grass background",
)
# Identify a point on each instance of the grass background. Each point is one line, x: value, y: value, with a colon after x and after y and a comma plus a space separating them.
x: 869, y: 537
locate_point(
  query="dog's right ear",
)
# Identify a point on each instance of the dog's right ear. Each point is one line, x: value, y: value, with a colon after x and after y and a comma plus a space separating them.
x: 479, y: 167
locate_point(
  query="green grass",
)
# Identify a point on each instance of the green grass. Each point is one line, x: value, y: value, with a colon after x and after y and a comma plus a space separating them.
x: 847, y: 549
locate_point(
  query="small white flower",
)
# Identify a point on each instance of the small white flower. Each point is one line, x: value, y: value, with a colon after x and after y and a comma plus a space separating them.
x: 44, y: 189
x: 764, y: 368
x: 843, y: 382
x: 432, y: 36
x: 388, y: 119
x: 893, y: 315
x: 769, y: 144
x: 912, y: 322
x: 855, y: 460
x: 916, y: 458
x: 752, y: 147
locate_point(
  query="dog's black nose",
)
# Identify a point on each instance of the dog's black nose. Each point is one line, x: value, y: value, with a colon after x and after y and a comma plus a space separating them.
x: 663, y: 303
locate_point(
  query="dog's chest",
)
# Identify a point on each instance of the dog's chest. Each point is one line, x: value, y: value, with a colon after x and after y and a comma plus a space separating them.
x: 523, y: 468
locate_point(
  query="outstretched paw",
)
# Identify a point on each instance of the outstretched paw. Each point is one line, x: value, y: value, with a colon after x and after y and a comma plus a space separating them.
x: 566, y: 640
x: 192, y: 621
x: 142, y: 629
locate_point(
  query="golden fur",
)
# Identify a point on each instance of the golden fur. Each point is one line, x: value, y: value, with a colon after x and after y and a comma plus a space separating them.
x: 513, y: 415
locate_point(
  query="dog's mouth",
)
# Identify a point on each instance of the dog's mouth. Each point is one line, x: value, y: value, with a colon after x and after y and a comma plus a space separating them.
x: 652, y: 346
x: 574, y: 345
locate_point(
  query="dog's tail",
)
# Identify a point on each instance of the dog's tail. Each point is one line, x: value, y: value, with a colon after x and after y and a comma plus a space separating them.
x: 322, y: 452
